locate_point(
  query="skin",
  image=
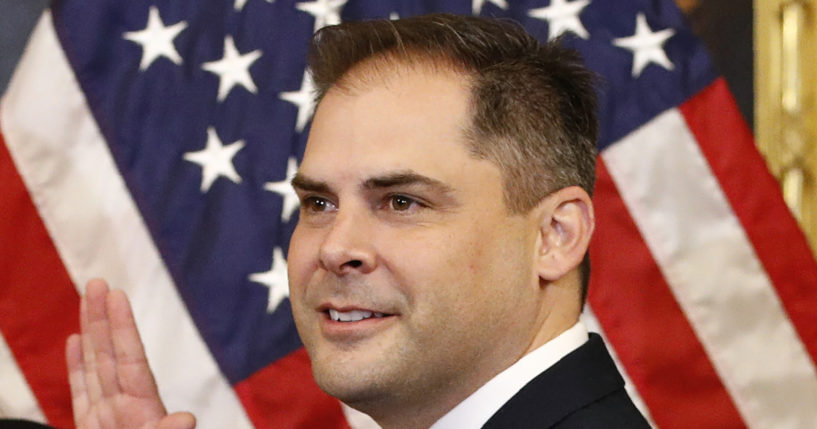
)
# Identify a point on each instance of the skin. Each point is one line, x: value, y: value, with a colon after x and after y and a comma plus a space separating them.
x: 111, y: 383
x: 398, y: 218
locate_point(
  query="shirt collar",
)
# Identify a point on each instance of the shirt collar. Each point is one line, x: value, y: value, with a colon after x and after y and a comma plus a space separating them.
x: 476, y: 409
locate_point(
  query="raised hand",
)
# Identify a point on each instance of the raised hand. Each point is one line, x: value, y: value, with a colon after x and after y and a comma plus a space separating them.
x: 111, y: 383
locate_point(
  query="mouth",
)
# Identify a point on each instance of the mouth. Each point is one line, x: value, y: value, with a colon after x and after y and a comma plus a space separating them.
x: 349, y: 324
x: 349, y: 313
x: 353, y: 315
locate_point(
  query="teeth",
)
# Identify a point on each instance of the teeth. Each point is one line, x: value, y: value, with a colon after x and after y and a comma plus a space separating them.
x: 352, y: 316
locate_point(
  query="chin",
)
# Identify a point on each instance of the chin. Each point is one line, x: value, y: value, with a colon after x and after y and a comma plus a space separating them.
x: 355, y: 385
x: 354, y: 392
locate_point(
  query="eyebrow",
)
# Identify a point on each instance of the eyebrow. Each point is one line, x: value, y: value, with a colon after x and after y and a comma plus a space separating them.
x: 307, y: 184
x: 406, y: 178
x: 390, y: 180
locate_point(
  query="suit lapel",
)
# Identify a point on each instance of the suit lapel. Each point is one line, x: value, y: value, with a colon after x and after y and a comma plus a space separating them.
x: 582, y: 377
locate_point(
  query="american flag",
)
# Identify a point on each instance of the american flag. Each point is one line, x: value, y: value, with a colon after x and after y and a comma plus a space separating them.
x: 150, y: 142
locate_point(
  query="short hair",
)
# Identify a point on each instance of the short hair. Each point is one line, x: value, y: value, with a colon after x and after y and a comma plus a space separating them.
x: 533, y: 105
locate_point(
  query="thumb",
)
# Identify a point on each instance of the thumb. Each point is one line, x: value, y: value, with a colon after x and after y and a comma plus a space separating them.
x: 180, y: 420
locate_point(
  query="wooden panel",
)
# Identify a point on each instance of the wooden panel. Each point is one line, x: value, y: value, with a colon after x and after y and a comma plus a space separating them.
x: 785, y: 91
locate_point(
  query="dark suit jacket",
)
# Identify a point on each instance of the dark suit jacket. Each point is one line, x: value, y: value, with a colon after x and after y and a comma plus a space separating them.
x: 582, y: 390
x: 21, y: 424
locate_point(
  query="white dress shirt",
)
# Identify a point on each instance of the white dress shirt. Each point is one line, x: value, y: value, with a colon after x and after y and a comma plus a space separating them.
x: 476, y: 409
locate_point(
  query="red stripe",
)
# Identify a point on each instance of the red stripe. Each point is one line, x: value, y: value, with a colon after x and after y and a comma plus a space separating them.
x: 646, y: 326
x: 752, y: 191
x: 284, y: 395
x: 38, y: 302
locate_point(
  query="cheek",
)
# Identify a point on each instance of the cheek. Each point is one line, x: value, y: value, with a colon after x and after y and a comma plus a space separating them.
x: 492, y: 265
x: 445, y: 275
x: 302, y: 260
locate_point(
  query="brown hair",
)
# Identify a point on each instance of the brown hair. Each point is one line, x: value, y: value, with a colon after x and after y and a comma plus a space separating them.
x: 533, y: 104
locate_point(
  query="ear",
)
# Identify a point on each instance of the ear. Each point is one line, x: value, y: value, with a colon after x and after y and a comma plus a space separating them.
x: 566, y: 225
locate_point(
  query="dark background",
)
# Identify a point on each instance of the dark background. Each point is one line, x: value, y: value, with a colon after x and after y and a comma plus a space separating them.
x: 726, y: 28
x: 724, y: 25
x: 17, y: 18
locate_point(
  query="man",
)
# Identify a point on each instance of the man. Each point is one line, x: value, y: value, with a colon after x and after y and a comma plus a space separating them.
x: 436, y: 272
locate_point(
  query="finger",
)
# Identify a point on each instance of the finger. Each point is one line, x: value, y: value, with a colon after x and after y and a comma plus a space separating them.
x: 100, y: 330
x: 135, y: 376
x: 181, y: 420
x: 94, y: 392
x: 76, y: 377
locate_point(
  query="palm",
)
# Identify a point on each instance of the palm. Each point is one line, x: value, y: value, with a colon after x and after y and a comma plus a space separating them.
x: 111, y: 382
x: 121, y: 410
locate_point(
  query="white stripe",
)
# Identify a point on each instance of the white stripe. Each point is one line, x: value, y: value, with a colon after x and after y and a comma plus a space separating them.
x: 16, y: 398
x: 592, y: 323
x: 714, y: 273
x: 97, y: 229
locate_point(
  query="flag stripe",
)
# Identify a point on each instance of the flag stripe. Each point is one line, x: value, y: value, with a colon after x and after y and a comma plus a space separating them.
x: 645, y: 325
x: 97, y: 229
x: 727, y: 142
x: 752, y: 344
x: 35, y: 295
x: 16, y: 397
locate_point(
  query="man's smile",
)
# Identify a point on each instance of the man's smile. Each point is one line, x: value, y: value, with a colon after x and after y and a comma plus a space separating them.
x: 353, y: 315
x: 352, y: 323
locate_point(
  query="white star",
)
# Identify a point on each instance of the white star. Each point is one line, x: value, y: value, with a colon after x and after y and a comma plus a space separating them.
x: 239, y: 4
x: 275, y: 279
x: 233, y: 69
x: 647, y: 46
x: 156, y: 39
x: 562, y: 16
x: 476, y: 5
x: 326, y: 12
x: 304, y: 98
x: 284, y: 189
x: 215, y: 160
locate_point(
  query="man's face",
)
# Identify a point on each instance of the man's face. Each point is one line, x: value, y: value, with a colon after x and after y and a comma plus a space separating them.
x: 411, y: 284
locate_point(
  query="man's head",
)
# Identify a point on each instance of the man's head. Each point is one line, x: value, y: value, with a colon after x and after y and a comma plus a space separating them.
x: 445, y: 208
x: 533, y: 105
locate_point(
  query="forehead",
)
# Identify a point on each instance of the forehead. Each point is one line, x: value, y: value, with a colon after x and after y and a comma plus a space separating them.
x: 405, y: 117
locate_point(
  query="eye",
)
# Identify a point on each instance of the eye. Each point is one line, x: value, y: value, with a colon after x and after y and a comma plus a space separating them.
x: 401, y: 203
x: 316, y: 204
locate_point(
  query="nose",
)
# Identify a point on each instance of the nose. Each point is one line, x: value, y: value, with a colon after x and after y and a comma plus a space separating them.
x: 348, y: 246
